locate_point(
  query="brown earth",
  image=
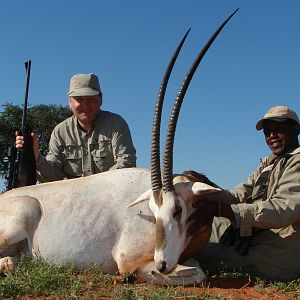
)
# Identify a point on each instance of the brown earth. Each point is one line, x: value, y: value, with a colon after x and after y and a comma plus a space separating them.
x: 214, y: 288
x: 239, y: 288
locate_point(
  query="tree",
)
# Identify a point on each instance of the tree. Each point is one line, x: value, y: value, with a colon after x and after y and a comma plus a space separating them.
x: 41, y: 118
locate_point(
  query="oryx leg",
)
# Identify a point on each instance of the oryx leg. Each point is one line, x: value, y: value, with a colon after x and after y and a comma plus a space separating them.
x: 186, y: 275
x: 136, y: 256
x: 133, y: 250
x: 18, y: 219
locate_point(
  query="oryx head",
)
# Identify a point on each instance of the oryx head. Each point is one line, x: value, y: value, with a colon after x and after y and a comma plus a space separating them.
x: 167, y: 202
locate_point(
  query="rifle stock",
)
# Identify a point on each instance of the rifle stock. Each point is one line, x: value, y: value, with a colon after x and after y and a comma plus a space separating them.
x: 12, y: 155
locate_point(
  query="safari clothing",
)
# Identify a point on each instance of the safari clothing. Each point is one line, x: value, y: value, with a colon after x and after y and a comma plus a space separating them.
x: 267, y: 207
x: 74, y: 153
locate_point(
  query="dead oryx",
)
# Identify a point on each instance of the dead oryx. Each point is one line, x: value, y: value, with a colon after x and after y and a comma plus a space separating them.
x: 126, y: 220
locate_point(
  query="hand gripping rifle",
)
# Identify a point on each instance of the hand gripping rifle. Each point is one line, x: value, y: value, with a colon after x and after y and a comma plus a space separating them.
x: 22, y: 168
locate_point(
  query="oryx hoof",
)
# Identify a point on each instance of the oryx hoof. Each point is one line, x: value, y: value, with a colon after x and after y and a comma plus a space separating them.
x: 7, y: 264
x: 131, y: 279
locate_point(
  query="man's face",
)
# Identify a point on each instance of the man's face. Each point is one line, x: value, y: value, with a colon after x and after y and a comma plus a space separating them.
x: 280, y: 136
x: 85, y: 108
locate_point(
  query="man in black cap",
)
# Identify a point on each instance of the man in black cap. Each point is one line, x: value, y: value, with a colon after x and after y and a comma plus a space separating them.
x: 89, y: 142
x: 257, y: 224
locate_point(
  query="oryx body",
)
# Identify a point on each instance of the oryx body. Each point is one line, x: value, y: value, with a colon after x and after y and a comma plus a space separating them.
x: 86, y: 221
x: 80, y: 220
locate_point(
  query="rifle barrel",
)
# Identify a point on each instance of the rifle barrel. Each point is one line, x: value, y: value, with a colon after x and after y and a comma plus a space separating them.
x: 27, y: 67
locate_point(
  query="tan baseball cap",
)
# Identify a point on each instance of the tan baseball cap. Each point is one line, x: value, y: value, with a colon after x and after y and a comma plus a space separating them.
x: 84, y: 85
x: 279, y: 114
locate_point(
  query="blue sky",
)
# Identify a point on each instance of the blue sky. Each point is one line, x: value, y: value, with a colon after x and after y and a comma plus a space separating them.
x: 253, y: 65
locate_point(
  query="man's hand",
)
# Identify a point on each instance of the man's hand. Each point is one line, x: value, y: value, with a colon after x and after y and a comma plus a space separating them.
x: 206, y: 210
x: 20, y: 142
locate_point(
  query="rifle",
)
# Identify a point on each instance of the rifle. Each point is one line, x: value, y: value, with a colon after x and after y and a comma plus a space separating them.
x: 22, y: 167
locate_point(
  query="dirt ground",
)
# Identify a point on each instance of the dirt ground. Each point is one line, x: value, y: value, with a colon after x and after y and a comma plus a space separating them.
x: 215, y: 288
x: 237, y: 288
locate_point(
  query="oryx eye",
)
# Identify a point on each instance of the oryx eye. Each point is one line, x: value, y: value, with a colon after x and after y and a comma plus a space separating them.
x: 178, y: 210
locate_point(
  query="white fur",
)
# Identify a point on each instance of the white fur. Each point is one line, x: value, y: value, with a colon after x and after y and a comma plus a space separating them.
x: 87, y: 221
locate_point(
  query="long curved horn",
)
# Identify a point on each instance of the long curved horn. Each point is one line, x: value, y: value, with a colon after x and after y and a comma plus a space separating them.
x: 168, y: 154
x: 155, y: 144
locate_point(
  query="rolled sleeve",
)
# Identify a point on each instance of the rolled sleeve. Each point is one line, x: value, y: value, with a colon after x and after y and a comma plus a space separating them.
x: 281, y: 207
x: 123, y: 149
x: 244, y: 214
x: 50, y: 168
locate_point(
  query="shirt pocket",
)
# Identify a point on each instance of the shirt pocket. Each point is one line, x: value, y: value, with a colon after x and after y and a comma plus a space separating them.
x: 73, y: 161
x: 102, y: 155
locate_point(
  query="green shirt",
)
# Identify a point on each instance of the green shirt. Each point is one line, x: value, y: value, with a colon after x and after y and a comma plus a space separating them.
x: 74, y: 153
x: 270, y: 202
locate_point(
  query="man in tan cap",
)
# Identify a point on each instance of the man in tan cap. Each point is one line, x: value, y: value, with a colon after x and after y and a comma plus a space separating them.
x: 256, y: 227
x: 89, y: 142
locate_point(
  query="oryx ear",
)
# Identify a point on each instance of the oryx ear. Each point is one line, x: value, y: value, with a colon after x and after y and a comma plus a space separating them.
x: 144, y: 197
x: 200, y: 188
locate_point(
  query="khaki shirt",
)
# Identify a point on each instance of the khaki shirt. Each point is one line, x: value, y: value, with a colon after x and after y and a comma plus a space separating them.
x: 270, y: 200
x: 74, y: 153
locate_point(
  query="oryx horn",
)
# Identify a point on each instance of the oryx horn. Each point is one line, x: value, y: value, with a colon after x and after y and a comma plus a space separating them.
x: 155, y: 145
x: 167, y: 180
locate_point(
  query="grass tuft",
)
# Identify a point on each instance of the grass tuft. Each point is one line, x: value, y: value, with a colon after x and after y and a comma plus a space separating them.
x: 34, y: 277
